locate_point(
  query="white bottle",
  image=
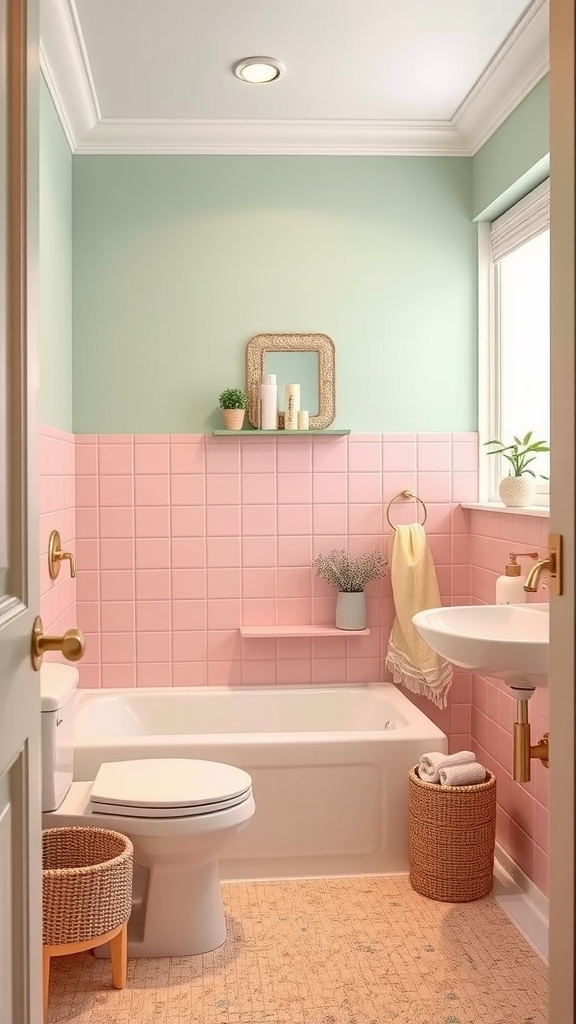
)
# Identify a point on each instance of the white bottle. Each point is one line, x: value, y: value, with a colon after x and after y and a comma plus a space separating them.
x: 303, y: 420
x: 269, y: 402
x: 291, y: 406
x: 510, y: 586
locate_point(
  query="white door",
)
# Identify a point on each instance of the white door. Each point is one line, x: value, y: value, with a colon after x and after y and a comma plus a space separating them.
x: 20, y: 862
x: 562, y: 511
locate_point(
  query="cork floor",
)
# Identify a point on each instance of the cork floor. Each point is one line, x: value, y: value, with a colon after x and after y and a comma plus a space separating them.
x: 363, y: 950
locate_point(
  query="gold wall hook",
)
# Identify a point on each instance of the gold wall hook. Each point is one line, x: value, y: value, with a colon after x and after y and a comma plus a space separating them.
x: 56, y: 556
x: 72, y: 644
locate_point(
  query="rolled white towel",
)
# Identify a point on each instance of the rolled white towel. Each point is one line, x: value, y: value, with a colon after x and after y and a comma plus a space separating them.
x: 432, y: 764
x: 463, y: 774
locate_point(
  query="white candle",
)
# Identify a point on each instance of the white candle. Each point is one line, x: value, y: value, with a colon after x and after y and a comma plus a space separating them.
x: 303, y: 420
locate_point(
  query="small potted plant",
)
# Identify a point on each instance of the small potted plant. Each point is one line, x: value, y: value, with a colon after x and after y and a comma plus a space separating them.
x: 349, y: 575
x: 517, y: 489
x: 233, y: 405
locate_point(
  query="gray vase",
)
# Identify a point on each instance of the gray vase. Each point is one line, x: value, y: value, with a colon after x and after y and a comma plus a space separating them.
x: 351, y: 611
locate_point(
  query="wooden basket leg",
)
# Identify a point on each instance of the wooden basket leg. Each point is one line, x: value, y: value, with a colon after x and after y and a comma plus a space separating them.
x: 119, y: 957
x: 45, y: 979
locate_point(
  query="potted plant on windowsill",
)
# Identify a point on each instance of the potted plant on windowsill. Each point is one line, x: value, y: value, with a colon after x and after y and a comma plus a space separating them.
x: 518, y: 488
x: 233, y: 404
x: 350, y: 574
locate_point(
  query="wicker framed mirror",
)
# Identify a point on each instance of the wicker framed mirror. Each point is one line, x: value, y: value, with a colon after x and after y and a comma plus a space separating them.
x: 307, y: 359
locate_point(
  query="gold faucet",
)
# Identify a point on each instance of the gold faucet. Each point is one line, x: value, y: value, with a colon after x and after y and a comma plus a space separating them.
x: 535, y: 572
x: 552, y: 563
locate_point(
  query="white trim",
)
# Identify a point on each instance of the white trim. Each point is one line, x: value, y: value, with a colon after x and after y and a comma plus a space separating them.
x: 526, y: 219
x: 541, y: 511
x: 517, y: 67
x: 522, y: 901
x: 521, y: 62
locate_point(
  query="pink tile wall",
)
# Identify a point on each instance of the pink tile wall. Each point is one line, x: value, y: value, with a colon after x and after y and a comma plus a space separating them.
x: 522, y: 824
x: 183, y: 538
x: 57, y: 512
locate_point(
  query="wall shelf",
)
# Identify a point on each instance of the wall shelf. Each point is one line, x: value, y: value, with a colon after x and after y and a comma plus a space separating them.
x: 253, y: 434
x: 253, y: 632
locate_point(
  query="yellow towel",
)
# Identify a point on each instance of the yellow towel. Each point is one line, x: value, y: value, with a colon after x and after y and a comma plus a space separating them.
x: 414, y: 585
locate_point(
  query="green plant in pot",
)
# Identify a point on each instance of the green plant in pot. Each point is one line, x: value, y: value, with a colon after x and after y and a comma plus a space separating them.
x: 349, y: 574
x: 518, y: 488
x: 233, y: 404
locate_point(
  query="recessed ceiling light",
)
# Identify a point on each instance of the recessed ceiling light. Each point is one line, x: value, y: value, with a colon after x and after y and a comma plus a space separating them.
x: 259, y: 70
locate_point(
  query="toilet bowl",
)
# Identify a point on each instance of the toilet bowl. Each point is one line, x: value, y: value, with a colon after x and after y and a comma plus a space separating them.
x: 178, y: 812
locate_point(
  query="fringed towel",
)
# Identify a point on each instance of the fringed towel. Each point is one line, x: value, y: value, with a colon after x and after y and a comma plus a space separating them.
x: 415, y: 588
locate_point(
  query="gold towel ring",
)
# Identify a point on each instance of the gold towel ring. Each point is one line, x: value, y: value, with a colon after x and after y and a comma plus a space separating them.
x: 406, y: 494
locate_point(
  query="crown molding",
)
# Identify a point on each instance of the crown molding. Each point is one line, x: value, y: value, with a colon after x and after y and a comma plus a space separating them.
x: 66, y: 70
x: 275, y: 137
x: 521, y: 62
x: 517, y: 67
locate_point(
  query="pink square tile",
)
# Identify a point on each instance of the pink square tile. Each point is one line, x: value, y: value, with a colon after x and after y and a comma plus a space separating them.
x: 399, y: 457
x: 329, y: 456
x: 294, y: 648
x: 258, y: 521
x: 153, y: 647
x: 223, y: 583
x: 224, y: 644
x: 259, y: 650
x: 365, y: 458
x: 153, y: 584
x: 460, y: 580
x: 330, y: 488
x: 434, y: 486
x: 117, y: 585
x: 258, y: 582
x: 89, y: 675
x: 393, y: 483
x: 364, y: 488
x: 258, y: 612
x: 188, y: 615
x: 225, y: 673
x: 118, y: 616
x: 465, y: 457
x: 259, y: 458
x: 295, y: 457
x: 86, y: 459
x: 86, y: 523
x: 435, y: 456
x: 328, y: 671
x: 223, y: 521
x: 222, y: 458
x: 187, y: 458
x: 153, y: 616
x: 465, y: 487
x: 259, y: 673
x: 294, y: 488
x: 363, y: 670
x: 188, y: 584
x: 188, y: 553
x: 152, y: 521
x: 154, y: 674
x: 365, y: 438
x: 441, y: 548
x: 153, y: 490
x: 116, y: 490
x: 294, y: 519
x: 259, y: 551
x: 223, y: 552
x: 365, y: 519
x: 187, y: 521
x: 118, y: 676
x: 224, y: 614
x: 189, y: 673
x: 116, y: 554
x: 87, y: 555
x: 189, y: 646
x: 461, y: 549
x: 152, y: 553
x: 116, y: 522
x: 115, y: 459
x: 118, y: 647
x: 296, y: 671
x: 294, y: 551
x: 86, y: 491
x: 293, y: 581
x: 330, y: 519
x: 115, y: 438
x: 92, y: 654
x: 294, y: 611
x: 258, y: 488
x: 221, y: 488
x: 88, y: 616
x: 151, y: 458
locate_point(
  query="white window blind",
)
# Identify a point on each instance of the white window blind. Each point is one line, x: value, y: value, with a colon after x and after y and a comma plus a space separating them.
x: 527, y: 219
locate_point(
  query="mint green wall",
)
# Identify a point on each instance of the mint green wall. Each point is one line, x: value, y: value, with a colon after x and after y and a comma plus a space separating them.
x: 179, y: 260
x: 55, y: 269
x: 515, y: 159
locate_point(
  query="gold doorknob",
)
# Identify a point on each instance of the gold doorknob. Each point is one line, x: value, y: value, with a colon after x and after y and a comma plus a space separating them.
x: 71, y: 645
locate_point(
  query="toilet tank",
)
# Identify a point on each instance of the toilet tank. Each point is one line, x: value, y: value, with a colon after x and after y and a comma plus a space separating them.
x: 58, y: 685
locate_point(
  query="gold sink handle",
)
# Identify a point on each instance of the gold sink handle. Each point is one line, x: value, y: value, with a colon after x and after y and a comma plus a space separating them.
x: 72, y: 645
x: 56, y: 556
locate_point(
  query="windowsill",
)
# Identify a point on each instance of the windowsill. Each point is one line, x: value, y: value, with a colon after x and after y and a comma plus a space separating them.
x: 541, y: 511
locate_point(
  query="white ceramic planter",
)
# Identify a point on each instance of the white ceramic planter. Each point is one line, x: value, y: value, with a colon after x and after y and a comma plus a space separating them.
x: 517, y: 491
x: 351, y: 611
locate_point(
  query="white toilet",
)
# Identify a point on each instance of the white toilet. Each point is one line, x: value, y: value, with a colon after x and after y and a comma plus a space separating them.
x: 178, y: 813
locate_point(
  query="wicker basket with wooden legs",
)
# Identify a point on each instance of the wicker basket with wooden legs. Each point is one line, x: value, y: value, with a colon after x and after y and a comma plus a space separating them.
x: 86, y: 896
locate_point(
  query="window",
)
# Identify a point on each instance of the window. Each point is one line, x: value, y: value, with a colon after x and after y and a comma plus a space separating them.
x: 515, y: 335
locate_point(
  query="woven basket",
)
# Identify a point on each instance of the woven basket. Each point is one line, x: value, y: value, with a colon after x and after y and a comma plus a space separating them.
x: 452, y: 835
x: 86, y: 883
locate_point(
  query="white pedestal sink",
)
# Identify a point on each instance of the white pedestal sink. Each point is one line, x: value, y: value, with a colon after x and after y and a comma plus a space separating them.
x: 505, y: 640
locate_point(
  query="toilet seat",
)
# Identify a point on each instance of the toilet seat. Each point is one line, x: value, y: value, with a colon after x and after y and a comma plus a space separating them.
x: 168, y: 788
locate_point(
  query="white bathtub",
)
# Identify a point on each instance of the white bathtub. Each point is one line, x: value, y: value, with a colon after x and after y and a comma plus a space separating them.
x: 329, y: 765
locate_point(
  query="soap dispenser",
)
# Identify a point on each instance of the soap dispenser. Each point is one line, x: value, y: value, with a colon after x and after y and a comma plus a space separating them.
x: 510, y: 586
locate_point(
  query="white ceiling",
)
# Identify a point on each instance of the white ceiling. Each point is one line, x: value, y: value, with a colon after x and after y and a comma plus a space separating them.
x: 155, y: 75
